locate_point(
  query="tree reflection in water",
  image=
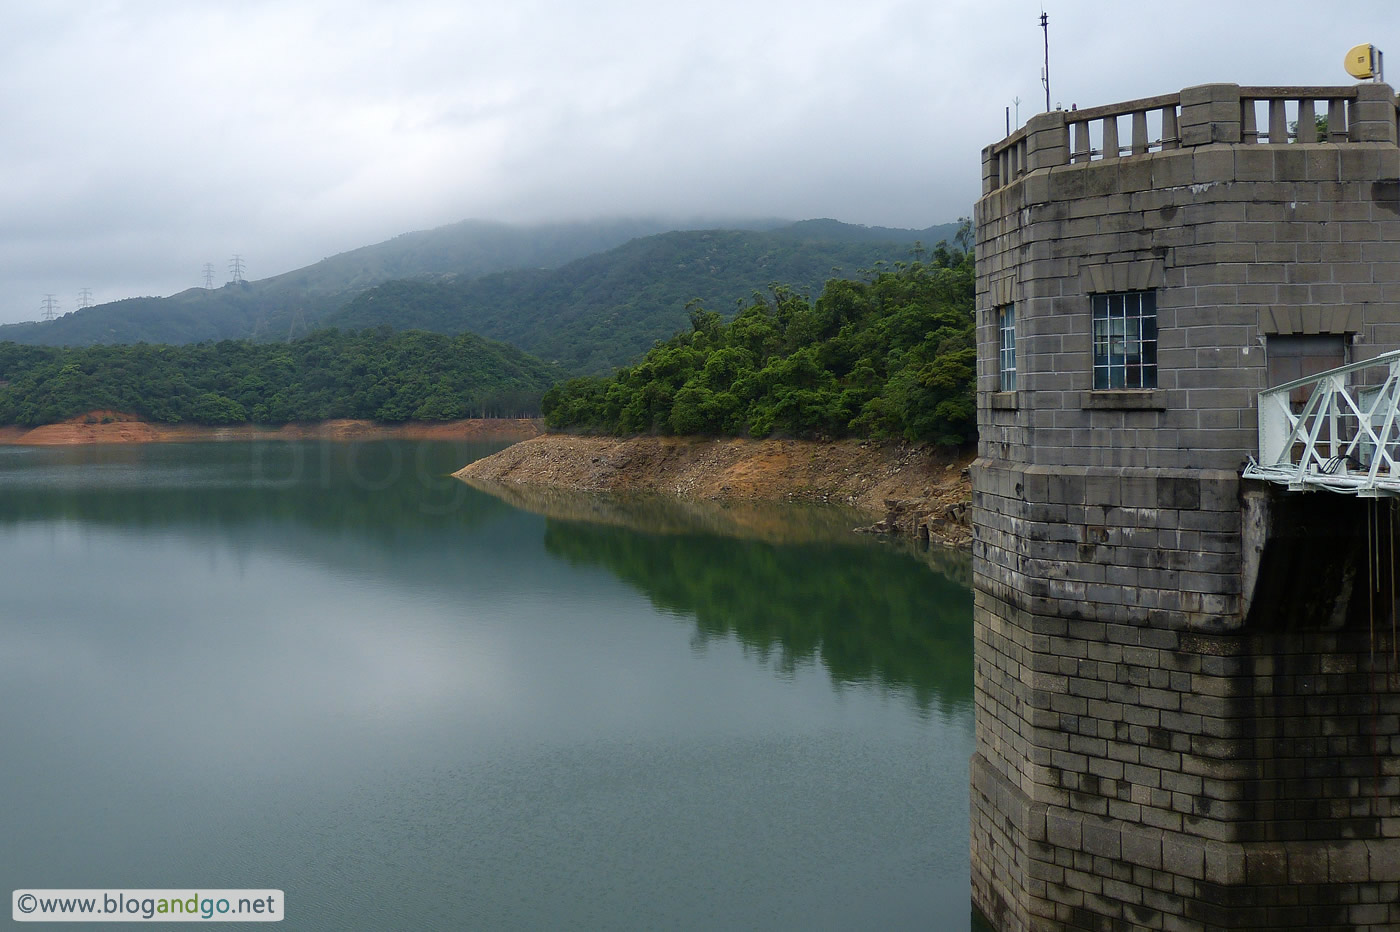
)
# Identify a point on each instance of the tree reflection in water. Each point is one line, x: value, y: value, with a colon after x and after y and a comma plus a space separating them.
x: 869, y: 613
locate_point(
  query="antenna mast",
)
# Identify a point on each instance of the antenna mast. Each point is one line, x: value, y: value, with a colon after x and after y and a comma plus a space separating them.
x: 1045, y: 72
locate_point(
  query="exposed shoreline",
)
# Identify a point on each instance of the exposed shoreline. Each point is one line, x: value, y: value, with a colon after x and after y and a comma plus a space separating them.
x: 921, y: 493
x: 108, y: 427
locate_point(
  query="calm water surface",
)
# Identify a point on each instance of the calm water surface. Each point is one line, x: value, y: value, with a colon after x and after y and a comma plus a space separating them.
x: 332, y: 670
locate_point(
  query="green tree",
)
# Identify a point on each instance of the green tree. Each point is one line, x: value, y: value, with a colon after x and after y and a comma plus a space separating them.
x: 213, y: 408
x: 891, y: 355
x: 330, y: 373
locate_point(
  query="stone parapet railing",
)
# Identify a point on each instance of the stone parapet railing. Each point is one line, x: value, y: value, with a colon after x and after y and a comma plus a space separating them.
x: 1197, y: 116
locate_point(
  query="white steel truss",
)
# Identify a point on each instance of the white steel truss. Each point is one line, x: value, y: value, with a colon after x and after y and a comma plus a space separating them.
x: 1345, y: 439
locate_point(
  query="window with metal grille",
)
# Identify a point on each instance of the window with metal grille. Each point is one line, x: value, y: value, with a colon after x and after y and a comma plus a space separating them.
x: 1125, y: 339
x: 1006, y: 352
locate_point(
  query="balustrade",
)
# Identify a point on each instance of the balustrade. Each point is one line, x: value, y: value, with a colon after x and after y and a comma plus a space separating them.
x: 1196, y: 116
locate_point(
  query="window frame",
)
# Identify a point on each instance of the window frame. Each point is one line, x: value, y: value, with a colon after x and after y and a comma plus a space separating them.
x: 1006, y: 347
x: 1125, y: 321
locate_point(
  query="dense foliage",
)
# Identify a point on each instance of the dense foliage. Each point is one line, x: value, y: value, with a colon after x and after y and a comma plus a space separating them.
x: 378, y: 374
x: 892, y: 356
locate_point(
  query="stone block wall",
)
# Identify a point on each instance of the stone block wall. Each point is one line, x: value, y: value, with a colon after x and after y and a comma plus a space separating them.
x: 1146, y: 759
x: 1188, y: 689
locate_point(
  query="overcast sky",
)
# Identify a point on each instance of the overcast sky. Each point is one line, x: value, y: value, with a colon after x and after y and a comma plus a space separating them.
x: 145, y: 139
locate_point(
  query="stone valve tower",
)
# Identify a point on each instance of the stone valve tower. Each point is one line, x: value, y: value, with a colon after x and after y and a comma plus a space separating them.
x: 1187, y: 681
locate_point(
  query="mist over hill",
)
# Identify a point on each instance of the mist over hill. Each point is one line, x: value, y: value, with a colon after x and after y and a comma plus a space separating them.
x: 607, y: 309
x: 290, y: 304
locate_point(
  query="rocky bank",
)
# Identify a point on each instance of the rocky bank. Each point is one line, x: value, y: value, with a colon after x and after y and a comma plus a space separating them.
x: 914, y: 491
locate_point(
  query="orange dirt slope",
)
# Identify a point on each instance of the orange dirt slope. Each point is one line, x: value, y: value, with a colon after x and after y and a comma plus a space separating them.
x: 116, y: 427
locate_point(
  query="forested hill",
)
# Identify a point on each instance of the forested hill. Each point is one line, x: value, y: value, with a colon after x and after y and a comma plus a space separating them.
x: 605, y: 310
x: 373, y: 374
x: 893, y: 355
x: 294, y: 303
x: 290, y: 304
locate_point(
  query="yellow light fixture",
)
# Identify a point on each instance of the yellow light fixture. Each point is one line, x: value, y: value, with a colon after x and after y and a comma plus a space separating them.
x: 1360, y: 61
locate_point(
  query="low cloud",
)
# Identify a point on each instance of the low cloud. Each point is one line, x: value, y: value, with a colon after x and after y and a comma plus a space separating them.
x: 147, y: 139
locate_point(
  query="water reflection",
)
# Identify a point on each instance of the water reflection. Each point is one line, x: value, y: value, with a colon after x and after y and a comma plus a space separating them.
x: 774, y: 522
x: 875, y: 619
x: 383, y: 488
x: 331, y: 669
x: 791, y: 582
x: 649, y: 513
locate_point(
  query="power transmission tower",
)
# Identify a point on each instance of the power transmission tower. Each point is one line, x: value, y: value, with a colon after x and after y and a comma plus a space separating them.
x: 50, y: 307
x: 84, y: 298
x: 208, y: 275
x: 235, y: 269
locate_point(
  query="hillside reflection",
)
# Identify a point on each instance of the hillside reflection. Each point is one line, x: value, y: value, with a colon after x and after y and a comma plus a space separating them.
x: 772, y: 522
x: 381, y: 489
x: 793, y: 594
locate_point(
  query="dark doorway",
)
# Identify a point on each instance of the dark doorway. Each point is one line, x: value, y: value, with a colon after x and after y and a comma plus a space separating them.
x: 1296, y: 356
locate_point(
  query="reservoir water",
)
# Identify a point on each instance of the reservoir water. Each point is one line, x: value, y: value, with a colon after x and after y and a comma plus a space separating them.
x: 334, y: 670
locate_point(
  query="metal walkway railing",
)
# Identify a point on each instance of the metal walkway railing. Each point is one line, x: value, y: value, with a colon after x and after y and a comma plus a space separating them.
x: 1345, y: 439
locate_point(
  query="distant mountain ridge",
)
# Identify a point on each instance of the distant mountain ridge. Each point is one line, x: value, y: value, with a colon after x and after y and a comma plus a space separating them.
x: 588, y: 295
x: 607, y: 309
x: 291, y: 303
